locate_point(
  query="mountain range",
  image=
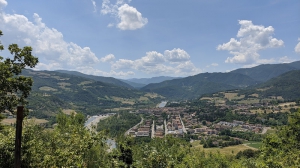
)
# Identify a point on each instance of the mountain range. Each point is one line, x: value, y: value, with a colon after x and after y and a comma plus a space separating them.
x: 205, y: 83
x: 95, y: 94
x: 110, y: 80
x: 285, y: 85
x: 54, y: 90
x: 147, y: 81
x: 265, y: 72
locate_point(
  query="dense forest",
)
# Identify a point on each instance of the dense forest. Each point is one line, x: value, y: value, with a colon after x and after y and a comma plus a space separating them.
x: 118, y: 124
x: 69, y: 144
x: 52, y: 90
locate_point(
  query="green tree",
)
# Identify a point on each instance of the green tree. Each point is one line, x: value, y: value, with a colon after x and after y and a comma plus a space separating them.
x: 69, y: 146
x: 282, y: 149
x: 14, y: 87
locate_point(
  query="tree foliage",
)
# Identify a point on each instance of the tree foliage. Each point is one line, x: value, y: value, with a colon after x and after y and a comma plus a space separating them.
x: 282, y: 149
x: 68, y: 144
x: 15, y: 88
x: 119, y: 123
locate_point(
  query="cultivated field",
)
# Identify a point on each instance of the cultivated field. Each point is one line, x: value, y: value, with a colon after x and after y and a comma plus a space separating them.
x: 68, y: 111
x: 123, y: 100
x: 47, y: 88
x: 230, y: 150
x: 9, y: 121
x: 233, y: 96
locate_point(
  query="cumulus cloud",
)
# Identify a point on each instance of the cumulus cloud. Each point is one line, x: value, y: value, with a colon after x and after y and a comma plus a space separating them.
x: 173, y: 62
x: 250, y: 39
x: 128, y: 17
x: 97, y: 72
x: 285, y: 59
x: 49, y: 66
x: 48, y: 42
x: 108, y: 58
x: 131, y: 19
x: 123, y: 64
x: 151, y: 58
x: 176, y: 55
x: 297, y: 48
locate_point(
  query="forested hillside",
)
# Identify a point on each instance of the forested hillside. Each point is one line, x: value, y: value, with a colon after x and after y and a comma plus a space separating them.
x: 267, y: 71
x: 70, y: 144
x: 195, y: 86
x: 147, y: 81
x: 53, y: 90
x: 286, y: 85
x: 110, y: 80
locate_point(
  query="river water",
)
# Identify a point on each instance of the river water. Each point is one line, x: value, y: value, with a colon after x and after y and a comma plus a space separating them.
x: 162, y: 104
x: 90, y: 120
x: 110, y: 142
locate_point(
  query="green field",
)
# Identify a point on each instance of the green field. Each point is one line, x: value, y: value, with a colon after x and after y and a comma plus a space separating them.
x: 230, y: 150
x: 253, y: 144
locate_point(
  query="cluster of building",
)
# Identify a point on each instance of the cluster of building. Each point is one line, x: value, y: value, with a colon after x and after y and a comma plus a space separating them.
x: 204, y: 130
x: 177, y: 121
x: 159, y: 131
x: 143, y: 130
x: 166, y: 121
x: 174, y: 125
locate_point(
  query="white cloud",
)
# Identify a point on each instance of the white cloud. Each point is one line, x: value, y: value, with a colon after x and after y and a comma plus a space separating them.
x: 251, y: 39
x: 49, y: 66
x: 48, y: 43
x: 174, y: 62
x: 151, y: 58
x: 97, y: 72
x: 297, y: 48
x: 176, y: 55
x: 128, y: 17
x: 123, y: 64
x: 94, y: 5
x: 186, y: 68
x: 285, y: 59
x: 108, y: 58
x: 108, y: 8
x: 131, y: 19
x: 3, y: 3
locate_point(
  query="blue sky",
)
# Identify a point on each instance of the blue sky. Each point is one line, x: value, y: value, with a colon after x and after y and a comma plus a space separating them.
x: 136, y: 39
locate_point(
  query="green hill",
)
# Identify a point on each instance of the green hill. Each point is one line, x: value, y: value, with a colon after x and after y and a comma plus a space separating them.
x: 133, y: 84
x: 267, y: 71
x: 110, y: 80
x: 147, y: 81
x: 286, y: 85
x: 195, y: 86
x: 53, y: 90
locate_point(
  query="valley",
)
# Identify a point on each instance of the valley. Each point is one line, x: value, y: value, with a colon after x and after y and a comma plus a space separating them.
x: 218, y: 113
